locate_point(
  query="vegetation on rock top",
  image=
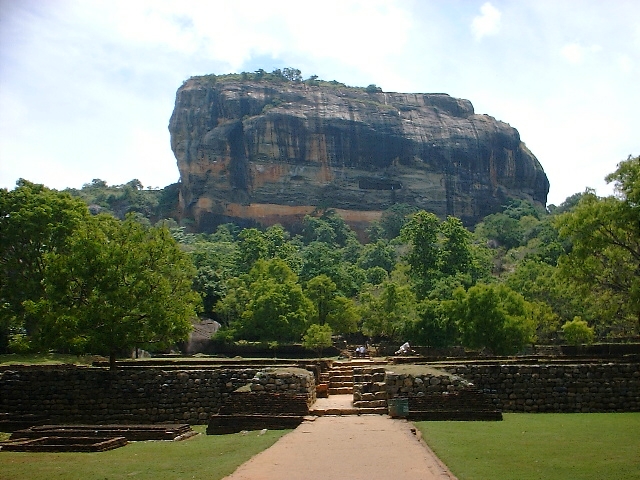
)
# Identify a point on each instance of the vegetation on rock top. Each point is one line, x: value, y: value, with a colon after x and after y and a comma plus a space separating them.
x: 284, y: 75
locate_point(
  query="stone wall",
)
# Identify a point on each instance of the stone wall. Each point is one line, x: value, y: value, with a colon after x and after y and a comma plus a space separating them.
x: 610, y: 387
x: 292, y: 381
x: 405, y: 385
x: 69, y: 394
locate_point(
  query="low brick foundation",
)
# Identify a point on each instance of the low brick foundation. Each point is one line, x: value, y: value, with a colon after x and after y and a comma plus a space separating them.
x: 224, y: 424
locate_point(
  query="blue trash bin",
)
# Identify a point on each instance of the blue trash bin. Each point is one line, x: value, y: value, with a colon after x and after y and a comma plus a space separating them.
x: 398, y: 407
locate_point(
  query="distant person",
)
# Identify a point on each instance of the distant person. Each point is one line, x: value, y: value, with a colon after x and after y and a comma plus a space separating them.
x: 405, y: 349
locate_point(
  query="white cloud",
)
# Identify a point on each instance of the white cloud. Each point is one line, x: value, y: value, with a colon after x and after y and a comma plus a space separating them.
x: 87, y: 88
x: 488, y: 23
x: 149, y: 157
x: 575, y: 53
x: 357, y: 33
x: 625, y: 63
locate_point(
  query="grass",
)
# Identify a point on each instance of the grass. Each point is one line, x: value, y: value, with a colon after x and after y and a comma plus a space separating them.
x: 47, y: 359
x: 592, y: 446
x: 204, y: 456
x: 415, y: 369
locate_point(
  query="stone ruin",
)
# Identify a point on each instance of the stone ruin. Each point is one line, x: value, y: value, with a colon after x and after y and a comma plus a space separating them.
x: 274, y: 399
x: 90, y: 438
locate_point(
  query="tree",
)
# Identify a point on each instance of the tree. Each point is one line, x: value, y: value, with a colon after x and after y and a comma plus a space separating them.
x: 34, y: 220
x: 279, y: 245
x: 501, y: 228
x: 317, y: 338
x: 321, y: 290
x: 540, y: 284
x: 215, y: 262
x: 605, y: 257
x: 292, y: 74
x: 456, y: 255
x: 274, y: 308
x: 439, y: 251
x: 318, y: 258
x: 493, y: 317
x: 328, y: 228
x: 422, y: 233
x: 332, y: 308
x: 378, y: 254
x: 394, y: 218
x: 376, y: 275
x: 434, y: 326
x: 252, y: 246
x: 117, y: 285
x: 387, y: 309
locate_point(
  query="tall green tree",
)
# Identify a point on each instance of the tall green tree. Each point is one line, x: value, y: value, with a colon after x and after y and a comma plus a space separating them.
x: 387, y: 309
x: 34, y: 221
x: 421, y: 232
x: 332, y: 309
x: 215, y: 262
x: 394, y: 218
x: 252, y: 246
x: 317, y: 338
x: 441, y: 253
x: 276, y: 308
x: 435, y: 325
x: 377, y: 254
x: 456, y: 255
x: 605, y: 257
x: 117, y: 285
x: 493, y: 317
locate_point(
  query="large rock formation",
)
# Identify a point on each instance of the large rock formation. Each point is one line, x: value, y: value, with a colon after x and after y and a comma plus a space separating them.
x: 271, y: 152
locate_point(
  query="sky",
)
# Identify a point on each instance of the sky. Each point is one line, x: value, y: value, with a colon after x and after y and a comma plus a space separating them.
x: 87, y: 87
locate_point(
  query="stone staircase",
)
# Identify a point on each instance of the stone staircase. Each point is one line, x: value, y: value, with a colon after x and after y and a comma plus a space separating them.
x: 356, y: 388
x: 339, y: 378
x: 369, y: 390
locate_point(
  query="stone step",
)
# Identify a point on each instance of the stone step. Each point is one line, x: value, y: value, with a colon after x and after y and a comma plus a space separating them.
x: 369, y: 397
x: 373, y: 411
x: 370, y: 404
x: 340, y: 390
x: 342, y: 380
x: 341, y: 385
x: 377, y: 378
x: 319, y: 412
x: 344, y: 373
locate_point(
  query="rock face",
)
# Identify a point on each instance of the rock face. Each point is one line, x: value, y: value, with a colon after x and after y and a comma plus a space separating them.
x: 271, y: 152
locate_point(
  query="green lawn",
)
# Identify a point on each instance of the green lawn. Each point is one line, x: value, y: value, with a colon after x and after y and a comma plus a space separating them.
x: 47, y: 359
x: 591, y: 446
x: 208, y: 457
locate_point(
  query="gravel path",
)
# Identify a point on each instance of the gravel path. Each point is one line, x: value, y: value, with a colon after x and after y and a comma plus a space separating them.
x: 365, y: 447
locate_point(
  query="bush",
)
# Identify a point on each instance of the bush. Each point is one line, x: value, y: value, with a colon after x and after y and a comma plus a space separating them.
x: 19, y: 343
x: 317, y: 338
x: 577, y: 332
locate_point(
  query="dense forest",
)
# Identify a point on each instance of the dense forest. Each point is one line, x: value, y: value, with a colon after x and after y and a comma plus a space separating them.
x: 102, y: 269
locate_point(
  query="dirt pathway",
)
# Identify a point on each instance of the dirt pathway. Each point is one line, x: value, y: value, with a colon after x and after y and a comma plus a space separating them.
x: 366, y: 447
